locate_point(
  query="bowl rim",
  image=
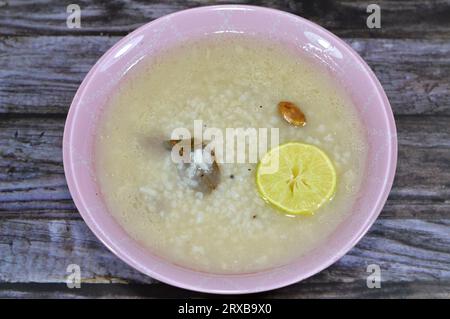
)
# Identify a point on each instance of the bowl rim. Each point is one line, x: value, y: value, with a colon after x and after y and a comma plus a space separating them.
x: 85, y: 212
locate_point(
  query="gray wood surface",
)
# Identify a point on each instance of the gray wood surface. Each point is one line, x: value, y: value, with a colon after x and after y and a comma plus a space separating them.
x: 42, y: 63
x: 404, y: 18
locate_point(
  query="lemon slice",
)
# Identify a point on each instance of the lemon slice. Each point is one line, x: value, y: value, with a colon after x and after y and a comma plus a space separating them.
x: 296, y: 178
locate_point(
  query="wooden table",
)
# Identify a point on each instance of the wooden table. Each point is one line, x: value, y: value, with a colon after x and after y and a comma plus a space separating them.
x: 42, y: 62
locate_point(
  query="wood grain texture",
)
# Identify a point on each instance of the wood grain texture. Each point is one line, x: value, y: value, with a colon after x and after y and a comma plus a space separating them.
x: 299, y: 291
x: 414, y: 73
x: 304, y: 290
x: 407, y: 18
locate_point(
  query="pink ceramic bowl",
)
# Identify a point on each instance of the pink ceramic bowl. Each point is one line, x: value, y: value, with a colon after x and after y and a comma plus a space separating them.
x: 321, y: 45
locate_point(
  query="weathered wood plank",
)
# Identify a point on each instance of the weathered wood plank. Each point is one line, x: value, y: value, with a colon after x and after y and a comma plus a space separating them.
x: 358, y: 290
x: 303, y: 290
x: 40, y: 251
x: 109, y: 291
x: 32, y: 183
x: 41, y: 75
x: 414, y: 73
x: 410, y: 18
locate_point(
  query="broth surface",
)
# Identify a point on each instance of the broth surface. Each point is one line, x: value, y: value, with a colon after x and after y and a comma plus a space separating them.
x: 227, y: 82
